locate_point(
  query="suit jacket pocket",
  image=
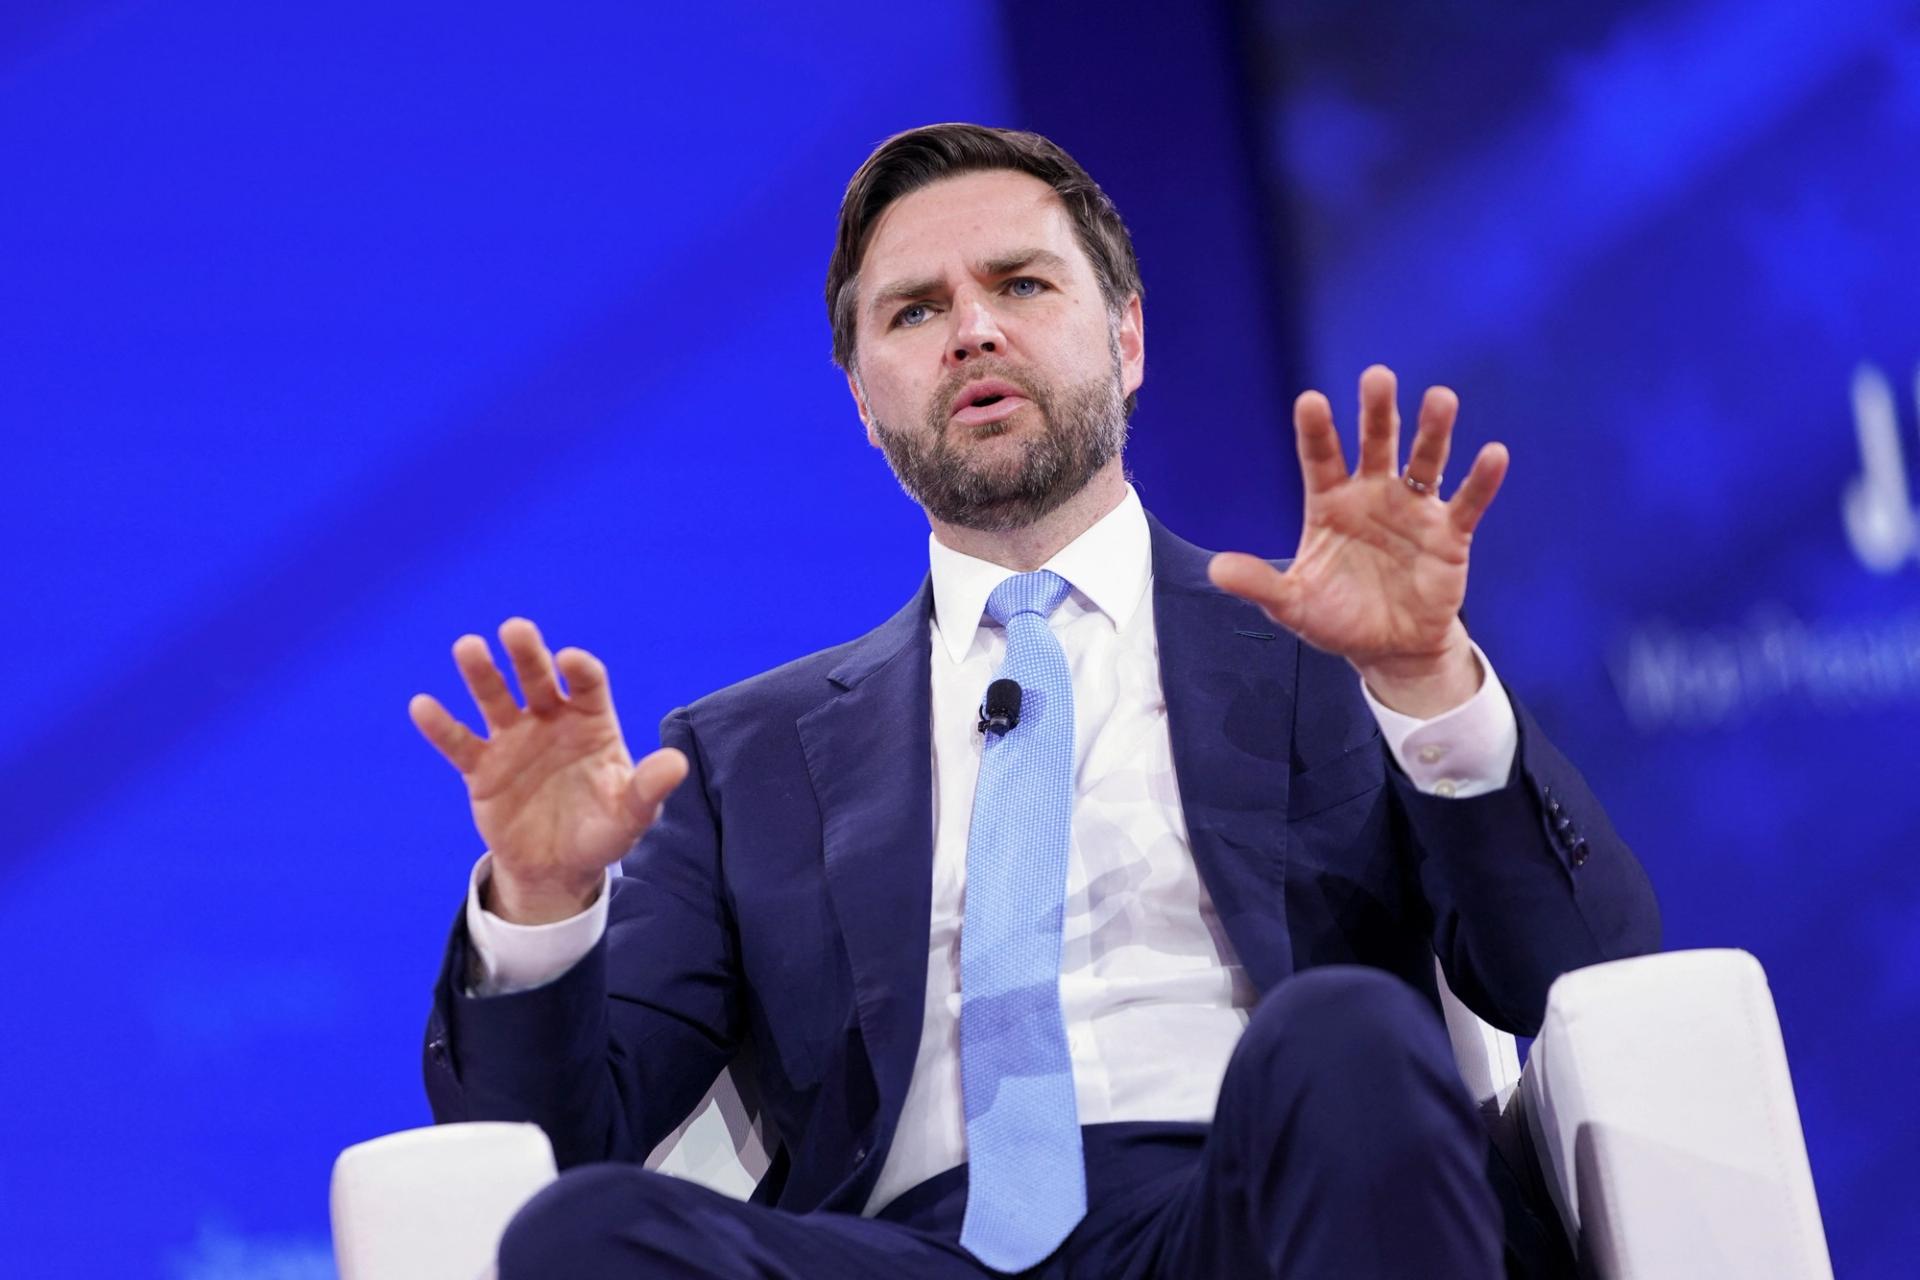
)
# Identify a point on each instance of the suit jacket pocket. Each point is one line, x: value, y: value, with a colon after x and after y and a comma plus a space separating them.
x: 1336, y: 781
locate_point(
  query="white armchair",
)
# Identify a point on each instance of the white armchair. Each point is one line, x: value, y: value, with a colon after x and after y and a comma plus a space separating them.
x: 1656, y: 1102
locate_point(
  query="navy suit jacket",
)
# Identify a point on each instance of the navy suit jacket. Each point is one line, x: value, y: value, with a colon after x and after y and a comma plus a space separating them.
x: 781, y: 904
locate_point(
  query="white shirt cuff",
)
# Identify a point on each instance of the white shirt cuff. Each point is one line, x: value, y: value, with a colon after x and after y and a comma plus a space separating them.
x: 503, y: 957
x: 1467, y: 751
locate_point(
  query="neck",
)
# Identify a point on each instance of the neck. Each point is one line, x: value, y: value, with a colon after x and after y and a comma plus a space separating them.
x: 1024, y: 550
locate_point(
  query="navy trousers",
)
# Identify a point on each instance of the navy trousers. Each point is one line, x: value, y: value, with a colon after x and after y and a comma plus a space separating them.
x: 1343, y: 1145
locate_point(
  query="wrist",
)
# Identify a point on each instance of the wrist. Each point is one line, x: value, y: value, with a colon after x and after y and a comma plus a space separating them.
x: 1426, y: 685
x: 538, y: 900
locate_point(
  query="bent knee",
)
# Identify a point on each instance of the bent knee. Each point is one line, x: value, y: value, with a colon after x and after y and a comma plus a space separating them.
x: 599, y: 1212
x: 1341, y: 1018
x: 1354, y: 1065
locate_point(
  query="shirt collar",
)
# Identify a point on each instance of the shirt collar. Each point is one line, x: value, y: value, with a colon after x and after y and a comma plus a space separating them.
x: 1109, y: 566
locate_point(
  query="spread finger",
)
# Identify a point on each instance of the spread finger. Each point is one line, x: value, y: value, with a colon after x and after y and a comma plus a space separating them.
x: 1477, y: 490
x: 1379, y: 423
x: 1433, y: 441
x: 459, y: 744
x: 586, y: 678
x: 532, y: 665
x: 484, y: 682
x: 1322, y: 465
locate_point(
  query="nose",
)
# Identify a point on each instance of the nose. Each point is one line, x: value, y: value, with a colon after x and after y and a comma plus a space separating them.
x: 976, y: 330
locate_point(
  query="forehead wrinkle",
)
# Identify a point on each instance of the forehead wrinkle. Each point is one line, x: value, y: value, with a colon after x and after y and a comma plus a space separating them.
x: 999, y: 265
x: 902, y: 290
x: 1007, y: 263
x: 1041, y: 203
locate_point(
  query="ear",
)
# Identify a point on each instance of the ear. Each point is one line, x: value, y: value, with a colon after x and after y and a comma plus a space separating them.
x: 1132, y: 337
x: 860, y: 406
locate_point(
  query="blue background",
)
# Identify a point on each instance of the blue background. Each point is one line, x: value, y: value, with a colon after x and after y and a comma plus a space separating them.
x: 328, y: 335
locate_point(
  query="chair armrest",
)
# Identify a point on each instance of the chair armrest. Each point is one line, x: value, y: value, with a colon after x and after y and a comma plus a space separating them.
x: 1659, y: 1105
x: 431, y: 1204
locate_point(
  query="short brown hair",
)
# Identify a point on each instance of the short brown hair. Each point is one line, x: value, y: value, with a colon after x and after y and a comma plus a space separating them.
x: 919, y: 157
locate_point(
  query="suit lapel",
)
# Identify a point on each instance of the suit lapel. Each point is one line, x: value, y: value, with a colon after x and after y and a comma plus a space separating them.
x: 869, y: 753
x: 1230, y: 714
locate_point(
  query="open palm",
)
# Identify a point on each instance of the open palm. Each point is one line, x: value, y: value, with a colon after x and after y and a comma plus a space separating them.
x: 555, y: 793
x: 1381, y: 571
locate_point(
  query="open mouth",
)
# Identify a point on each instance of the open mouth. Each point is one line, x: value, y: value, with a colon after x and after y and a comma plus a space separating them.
x: 986, y: 401
x: 989, y: 408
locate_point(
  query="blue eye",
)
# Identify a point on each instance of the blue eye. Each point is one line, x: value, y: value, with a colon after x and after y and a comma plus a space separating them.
x: 911, y: 316
x: 1024, y: 287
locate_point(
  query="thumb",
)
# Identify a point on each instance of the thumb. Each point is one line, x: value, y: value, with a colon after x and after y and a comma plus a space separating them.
x: 653, y: 780
x: 1253, y: 579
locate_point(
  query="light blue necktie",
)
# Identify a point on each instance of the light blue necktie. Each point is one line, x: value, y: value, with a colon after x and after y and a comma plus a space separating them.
x: 1026, y: 1181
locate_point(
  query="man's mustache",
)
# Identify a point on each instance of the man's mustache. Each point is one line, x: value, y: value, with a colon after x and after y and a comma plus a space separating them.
x: 950, y: 387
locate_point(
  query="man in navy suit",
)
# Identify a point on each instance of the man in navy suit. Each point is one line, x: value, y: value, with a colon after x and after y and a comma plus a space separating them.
x: 1291, y: 789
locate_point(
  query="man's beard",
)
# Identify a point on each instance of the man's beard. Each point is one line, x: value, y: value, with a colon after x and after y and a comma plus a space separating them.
x: 1084, y: 427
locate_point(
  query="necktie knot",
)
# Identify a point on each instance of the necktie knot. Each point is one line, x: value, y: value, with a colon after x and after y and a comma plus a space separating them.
x: 1040, y: 593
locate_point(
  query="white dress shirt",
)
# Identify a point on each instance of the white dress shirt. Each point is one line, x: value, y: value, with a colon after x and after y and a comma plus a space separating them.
x: 1147, y: 975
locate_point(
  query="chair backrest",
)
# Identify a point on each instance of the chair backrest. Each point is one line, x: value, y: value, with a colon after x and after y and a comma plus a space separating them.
x: 723, y: 1144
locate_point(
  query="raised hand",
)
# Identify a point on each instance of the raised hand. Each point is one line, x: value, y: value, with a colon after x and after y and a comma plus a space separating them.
x: 555, y: 794
x: 1382, y: 567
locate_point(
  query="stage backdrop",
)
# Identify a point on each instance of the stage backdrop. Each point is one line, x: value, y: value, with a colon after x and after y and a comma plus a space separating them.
x: 327, y: 336
x: 1670, y: 251
x: 330, y: 333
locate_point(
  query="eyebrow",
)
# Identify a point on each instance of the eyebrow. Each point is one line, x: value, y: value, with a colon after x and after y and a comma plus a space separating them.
x: 1003, y: 265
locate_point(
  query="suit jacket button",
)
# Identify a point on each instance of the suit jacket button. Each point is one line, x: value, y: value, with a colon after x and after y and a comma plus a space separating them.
x: 860, y: 1153
x: 1578, y: 854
